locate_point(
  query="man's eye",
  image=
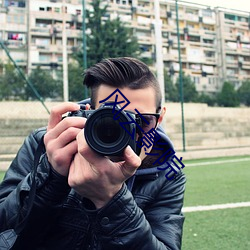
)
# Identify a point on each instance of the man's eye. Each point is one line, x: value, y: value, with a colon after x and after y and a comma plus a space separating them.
x: 145, y: 124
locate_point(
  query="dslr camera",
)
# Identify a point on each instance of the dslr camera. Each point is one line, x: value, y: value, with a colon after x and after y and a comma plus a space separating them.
x: 106, y: 135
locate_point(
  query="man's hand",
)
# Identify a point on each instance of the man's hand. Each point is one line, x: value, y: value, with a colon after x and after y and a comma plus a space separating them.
x: 60, y: 139
x: 98, y: 178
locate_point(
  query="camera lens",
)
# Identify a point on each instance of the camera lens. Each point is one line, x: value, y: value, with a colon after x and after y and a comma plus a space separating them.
x: 104, y: 134
x: 107, y: 130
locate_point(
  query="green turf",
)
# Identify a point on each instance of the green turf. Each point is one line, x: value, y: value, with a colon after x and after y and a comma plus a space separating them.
x: 1, y: 175
x: 217, y: 183
x: 219, y: 229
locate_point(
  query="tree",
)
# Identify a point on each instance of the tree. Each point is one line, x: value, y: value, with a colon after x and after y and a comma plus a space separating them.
x: 76, y: 88
x: 107, y: 38
x: 210, y: 100
x: 11, y: 84
x: 190, y: 93
x: 228, y: 96
x: 171, y: 92
x: 45, y: 85
x: 244, y: 93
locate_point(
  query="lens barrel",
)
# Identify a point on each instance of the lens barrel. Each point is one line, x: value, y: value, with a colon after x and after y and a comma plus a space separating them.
x: 104, y: 134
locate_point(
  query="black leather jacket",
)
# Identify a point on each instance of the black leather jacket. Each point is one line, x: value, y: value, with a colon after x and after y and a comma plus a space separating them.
x: 144, y: 215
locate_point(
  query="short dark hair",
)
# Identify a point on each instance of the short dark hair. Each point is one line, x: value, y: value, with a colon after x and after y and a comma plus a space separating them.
x: 121, y: 72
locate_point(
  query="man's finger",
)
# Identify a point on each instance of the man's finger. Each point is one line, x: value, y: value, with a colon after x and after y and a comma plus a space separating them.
x: 132, y: 161
x: 58, y: 111
x: 83, y: 148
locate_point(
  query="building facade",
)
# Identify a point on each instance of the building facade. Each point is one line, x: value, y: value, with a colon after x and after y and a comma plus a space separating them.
x: 214, y: 42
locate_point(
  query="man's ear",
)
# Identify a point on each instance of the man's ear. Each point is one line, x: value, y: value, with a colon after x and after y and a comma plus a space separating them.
x: 163, y: 112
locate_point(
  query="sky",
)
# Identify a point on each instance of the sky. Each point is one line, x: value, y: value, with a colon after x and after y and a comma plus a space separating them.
x: 243, y: 5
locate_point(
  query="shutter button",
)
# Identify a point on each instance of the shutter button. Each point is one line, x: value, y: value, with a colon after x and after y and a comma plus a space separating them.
x: 105, y: 221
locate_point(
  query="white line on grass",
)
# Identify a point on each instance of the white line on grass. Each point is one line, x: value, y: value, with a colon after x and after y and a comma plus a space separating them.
x: 215, y: 207
x: 215, y: 162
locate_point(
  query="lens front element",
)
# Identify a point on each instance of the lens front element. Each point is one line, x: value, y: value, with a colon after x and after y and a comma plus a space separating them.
x: 104, y: 134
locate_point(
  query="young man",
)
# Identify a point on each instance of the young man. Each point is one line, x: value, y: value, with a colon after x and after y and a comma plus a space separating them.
x: 84, y: 200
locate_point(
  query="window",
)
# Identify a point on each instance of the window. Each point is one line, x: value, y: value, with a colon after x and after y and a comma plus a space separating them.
x: 44, y: 58
x: 207, y: 13
x: 230, y: 17
x: 208, y: 41
x: 196, y: 79
x: 16, y: 36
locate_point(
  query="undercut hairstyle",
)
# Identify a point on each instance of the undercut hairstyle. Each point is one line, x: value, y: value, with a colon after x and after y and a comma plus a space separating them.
x: 119, y: 73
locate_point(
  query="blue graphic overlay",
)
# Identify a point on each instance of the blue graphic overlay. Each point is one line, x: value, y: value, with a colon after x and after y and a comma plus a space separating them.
x: 108, y: 103
x: 173, y: 164
x: 148, y: 139
x: 130, y: 122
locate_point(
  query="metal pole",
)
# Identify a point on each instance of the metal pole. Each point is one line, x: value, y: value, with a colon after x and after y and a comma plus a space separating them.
x: 84, y: 38
x: 65, y: 55
x: 158, y: 48
x: 180, y: 77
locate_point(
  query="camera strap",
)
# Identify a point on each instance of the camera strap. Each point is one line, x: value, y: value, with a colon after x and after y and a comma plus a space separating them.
x: 9, y: 237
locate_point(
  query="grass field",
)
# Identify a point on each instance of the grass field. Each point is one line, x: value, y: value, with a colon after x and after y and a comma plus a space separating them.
x: 219, y: 182
x: 1, y: 175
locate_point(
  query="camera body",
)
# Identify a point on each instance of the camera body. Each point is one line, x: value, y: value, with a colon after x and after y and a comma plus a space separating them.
x: 105, y: 134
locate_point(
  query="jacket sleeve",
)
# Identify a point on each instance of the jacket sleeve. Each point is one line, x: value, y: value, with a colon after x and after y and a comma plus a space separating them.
x: 16, y: 186
x: 121, y: 224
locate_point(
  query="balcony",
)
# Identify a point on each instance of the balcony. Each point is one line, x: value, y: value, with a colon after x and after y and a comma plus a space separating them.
x: 122, y: 9
x: 49, y: 15
x: 52, y: 48
x: 147, y: 40
x: 73, y: 33
x: 16, y: 27
x: 245, y: 65
x: 147, y: 54
x: 229, y: 37
x: 181, y: 15
x: 193, y: 31
x: 229, y: 50
x: 139, y: 26
x: 170, y: 57
x: 210, y: 46
x: 183, y: 44
x: 208, y: 20
x: 242, y: 25
x: 245, y: 51
x: 21, y: 62
x: 174, y: 57
x: 40, y: 31
x: 144, y: 10
x: 3, y: 10
x: 232, y: 64
x: 210, y: 60
x: 192, y: 17
x: 208, y: 34
x: 15, y: 44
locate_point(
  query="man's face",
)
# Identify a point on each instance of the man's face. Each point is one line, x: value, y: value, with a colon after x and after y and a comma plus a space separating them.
x: 141, y: 99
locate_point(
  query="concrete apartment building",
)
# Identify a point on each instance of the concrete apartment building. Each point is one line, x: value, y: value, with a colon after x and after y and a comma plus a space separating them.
x: 215, y: 42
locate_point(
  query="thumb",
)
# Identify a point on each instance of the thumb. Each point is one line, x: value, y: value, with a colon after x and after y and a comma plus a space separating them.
x: 132, y: 162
